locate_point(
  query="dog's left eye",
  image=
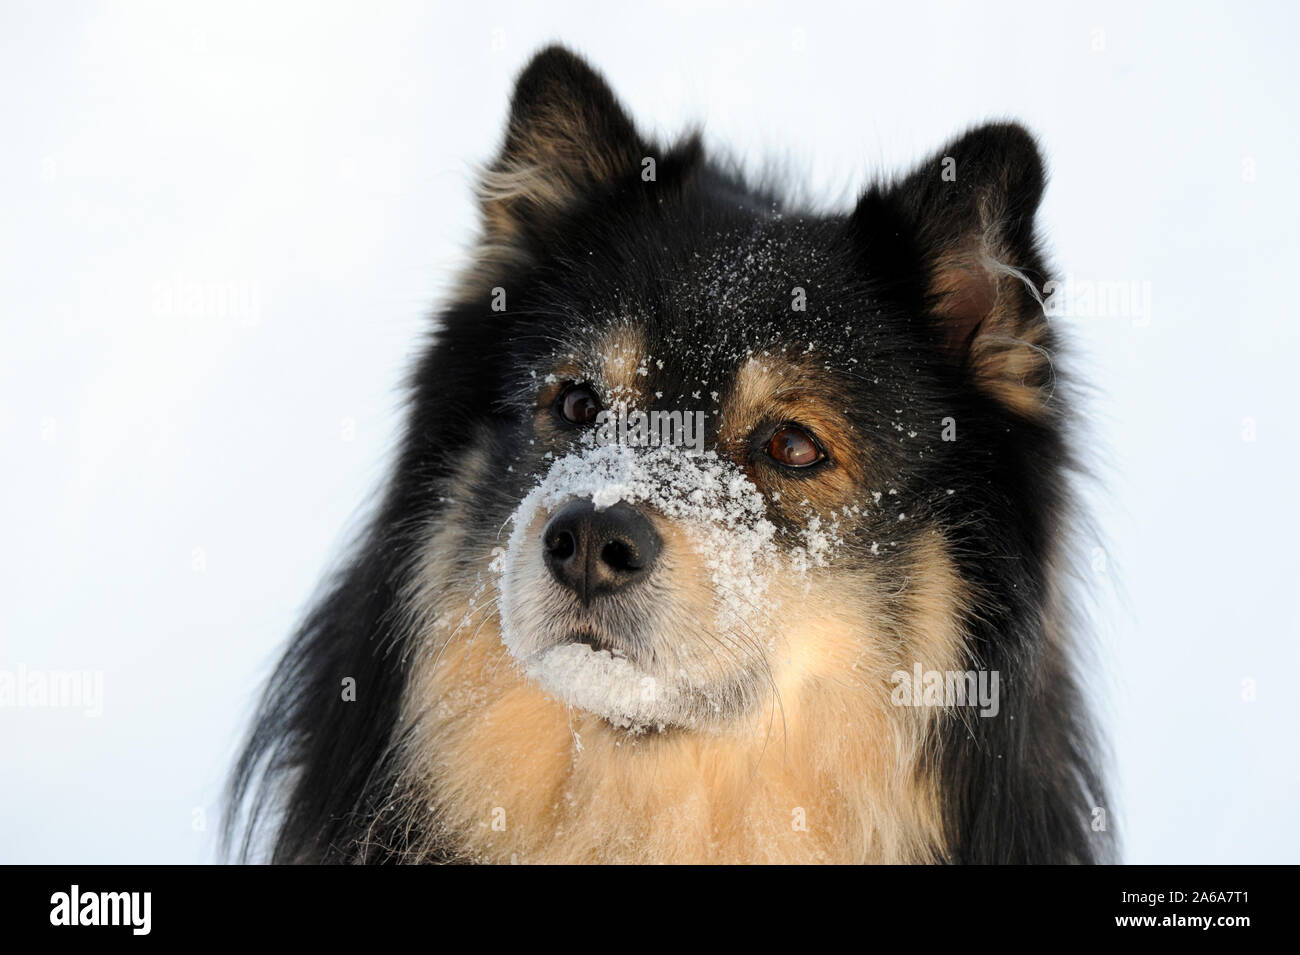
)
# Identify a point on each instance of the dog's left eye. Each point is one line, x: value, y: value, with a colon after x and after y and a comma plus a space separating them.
x: 794, y: 447
x: 578, y: 405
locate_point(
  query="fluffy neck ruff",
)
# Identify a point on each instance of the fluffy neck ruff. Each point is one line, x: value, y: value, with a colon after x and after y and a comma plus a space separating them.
x: 498, y: 771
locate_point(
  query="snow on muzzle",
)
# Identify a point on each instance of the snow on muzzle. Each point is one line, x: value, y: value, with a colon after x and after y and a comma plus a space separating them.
x: 721, y: 515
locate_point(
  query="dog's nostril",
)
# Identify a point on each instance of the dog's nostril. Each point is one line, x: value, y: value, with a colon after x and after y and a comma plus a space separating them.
x: 560, y: 545
x: 620, y: 556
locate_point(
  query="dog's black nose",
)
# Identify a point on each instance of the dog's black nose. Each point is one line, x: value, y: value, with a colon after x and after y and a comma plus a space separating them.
x: 594, y: 553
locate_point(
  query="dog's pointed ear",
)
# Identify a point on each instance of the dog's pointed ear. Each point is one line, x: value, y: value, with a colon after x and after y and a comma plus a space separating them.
x: 963, y: 224
x: 567, y: 140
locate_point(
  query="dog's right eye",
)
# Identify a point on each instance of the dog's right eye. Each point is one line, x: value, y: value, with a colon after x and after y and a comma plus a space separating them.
x: 578, y: 404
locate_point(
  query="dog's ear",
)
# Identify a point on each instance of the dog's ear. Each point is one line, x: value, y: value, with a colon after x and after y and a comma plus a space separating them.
x: 568, y: 139
x: 963, y: 224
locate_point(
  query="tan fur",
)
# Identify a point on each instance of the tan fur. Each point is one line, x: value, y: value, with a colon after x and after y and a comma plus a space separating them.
x: 826, y: 769
x: 775, y: 388
x: 616, y: 357
x: 830, y: 771
x: 1017, y: 370
x: 996, y: 312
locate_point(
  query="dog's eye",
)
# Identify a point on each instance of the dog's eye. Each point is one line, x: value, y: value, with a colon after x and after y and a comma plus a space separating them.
x: 794, y: 447
x: 578, y: 405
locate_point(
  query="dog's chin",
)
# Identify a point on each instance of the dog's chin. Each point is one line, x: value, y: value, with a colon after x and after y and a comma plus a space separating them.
x: 594, y: 674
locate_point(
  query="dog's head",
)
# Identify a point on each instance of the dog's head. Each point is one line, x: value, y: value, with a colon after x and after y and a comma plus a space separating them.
x: 719, y: 452
x: 690, y: 476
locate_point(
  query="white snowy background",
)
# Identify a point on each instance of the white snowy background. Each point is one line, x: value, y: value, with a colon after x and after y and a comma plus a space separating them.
x: 178, y: 474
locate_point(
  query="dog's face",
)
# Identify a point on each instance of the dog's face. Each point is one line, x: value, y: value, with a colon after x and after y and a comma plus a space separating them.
x: 789, y: 531
x: 723, y: 454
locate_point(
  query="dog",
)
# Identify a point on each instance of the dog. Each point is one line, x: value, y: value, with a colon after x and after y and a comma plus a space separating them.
x: 721, y: 531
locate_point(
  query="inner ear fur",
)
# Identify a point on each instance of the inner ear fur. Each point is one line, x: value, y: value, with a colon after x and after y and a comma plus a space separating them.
x: 964, y: 220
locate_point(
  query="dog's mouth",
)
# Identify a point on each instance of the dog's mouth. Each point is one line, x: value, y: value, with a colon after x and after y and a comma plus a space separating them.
x: 596, y: 641
x: 589, y: 672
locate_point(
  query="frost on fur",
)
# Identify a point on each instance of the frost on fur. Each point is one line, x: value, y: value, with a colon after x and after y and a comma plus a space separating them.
x: 723, y: 517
